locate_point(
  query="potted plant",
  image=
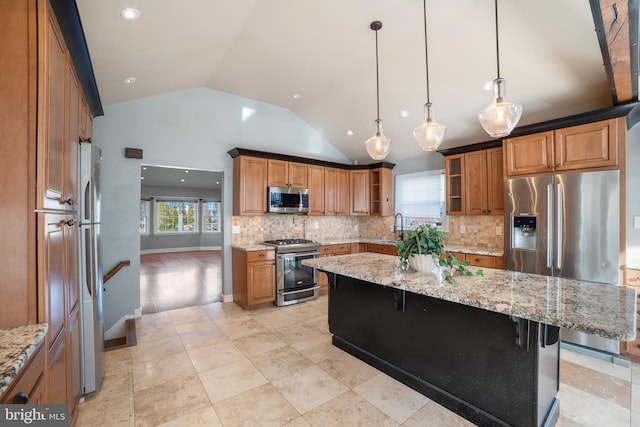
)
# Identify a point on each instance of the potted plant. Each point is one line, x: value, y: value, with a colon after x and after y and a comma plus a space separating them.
x: 424, y: 250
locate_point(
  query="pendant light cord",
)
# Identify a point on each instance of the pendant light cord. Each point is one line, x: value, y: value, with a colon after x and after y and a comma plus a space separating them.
x: 377, y: 81
x: 426, y: 49
x: 497, y: 42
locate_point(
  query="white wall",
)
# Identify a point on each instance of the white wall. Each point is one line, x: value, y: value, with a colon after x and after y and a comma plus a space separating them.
x: 192, y: 129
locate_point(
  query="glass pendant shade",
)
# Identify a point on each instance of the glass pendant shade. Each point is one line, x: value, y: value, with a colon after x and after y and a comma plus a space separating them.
x: 500, y: 117
x: 430, y: 134
x: 378, y: 146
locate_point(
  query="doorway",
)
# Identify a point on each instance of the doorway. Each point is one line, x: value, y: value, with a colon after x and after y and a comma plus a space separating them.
x: 181, y: 237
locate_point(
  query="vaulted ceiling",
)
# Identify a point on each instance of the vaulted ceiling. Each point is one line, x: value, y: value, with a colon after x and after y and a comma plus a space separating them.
x: 550, y: 56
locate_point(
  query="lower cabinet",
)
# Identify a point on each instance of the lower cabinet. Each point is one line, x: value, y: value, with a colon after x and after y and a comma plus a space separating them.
x: 382, y: 249
x: 254, y: 277
x: 28, y: 387
x: 331, y: 250
x: 631, y: 278
x: 476, y: 260
x: 57, y: 371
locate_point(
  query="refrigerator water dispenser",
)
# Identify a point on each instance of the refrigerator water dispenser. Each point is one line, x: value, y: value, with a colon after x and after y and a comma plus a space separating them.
x: 524, y: 232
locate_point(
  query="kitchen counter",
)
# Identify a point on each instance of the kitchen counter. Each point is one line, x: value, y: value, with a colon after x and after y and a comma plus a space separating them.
x: 594, y: 308
x: 16, y: 347
x: 256, y: 246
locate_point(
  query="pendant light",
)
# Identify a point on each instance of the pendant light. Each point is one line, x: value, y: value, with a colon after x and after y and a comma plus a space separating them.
x: 501, y: 116
x: 430, y: 134
x: 377, y: 146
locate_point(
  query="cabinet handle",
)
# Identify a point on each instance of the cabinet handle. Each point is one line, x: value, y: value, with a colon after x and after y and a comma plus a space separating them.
x: 260, y: 255
x: 85, y: 140
x: 69, y: 223
x: 20, y: 398
x: 480, y: 260
x: 68, y: 201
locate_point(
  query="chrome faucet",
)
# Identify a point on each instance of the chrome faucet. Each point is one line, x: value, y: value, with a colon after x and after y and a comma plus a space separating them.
x: 395, y: 225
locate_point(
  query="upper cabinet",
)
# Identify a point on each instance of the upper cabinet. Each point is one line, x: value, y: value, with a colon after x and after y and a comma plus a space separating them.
x: 381, y: 181
x: 336, y: 191
x: 315, y: 178
x: 454, y: 172
x: 249, y: 185
x: 359, y: 186
x: 287, y: 174
x: 587, y: 146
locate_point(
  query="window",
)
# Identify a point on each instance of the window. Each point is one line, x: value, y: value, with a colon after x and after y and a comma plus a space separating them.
x: 420, y: 198
x: 145, y: 212
x: 176, y: 216
x: 210, y: 217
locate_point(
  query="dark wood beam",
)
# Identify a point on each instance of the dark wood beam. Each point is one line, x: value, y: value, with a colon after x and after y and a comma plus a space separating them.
x: 616, y: 24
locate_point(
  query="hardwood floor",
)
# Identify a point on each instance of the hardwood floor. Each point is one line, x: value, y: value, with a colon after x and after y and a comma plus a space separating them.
x: 173, y: 280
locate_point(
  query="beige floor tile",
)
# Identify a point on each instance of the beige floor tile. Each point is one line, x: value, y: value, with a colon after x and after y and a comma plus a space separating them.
x: 157, y: 349
x: 298, y: 422
x: 590, y: 411
x: 348, y: 409
x: 170, y: 400
x: 204, y: 325
x: 202, y: 337
x: 203, y: 417
x: 118, y: 380
x: 635, y: 372
x: 214, y: 356
x: 309, y: 388
x: 635, y: 419
x: 437, y: 416
x: 115, y: 358
x: 240, y: 327
x: 318, y: 349
x: 146, y: 334
x: 296, y: 333
x: 117, y: 411
x: 220, y: 310
x: 635, y: 397
x: 348, y: 369
x: 567, y: 422
x: 157, y: 371
x: 231, y: 380
x: 258, y: 343
x: 391, y: 397
x: 603, y: 366
x: 189, y: 315
x: 273, y: 319
x: 279, y: 362
x: 262, y: 406
x: 156, y: 319
x: 597, y: 383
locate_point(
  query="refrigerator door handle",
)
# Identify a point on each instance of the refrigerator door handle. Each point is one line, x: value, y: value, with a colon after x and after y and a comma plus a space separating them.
x: 549, y: 224
x: 559, y: 213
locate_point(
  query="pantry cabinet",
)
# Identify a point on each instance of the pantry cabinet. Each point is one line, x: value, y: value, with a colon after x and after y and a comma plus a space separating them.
x: 253, y: 277
x: 287, y: 174
x: 250, y: 185
x: 582, y: 147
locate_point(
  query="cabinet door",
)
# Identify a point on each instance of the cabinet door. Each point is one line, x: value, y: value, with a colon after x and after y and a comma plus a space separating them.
x: 52, y: 273
x: 343, y: 192
x: 261, y: 279
x: 72, y: 138
x: 495, y: 181
x: 57, y: 373
x: 475, y: 173
x: 316, y: 190
x: 593, y: 145
x: 72, y: 287
x: 250, y: 186
x: 298, y: 175
x: 529, y: 154
x: 330, y: 194
x: 51, y: 124
x: 74, y: 362
x: 278, y: 173
x: 380, y: 181
x: 454, y: 171
x: 359, y: 180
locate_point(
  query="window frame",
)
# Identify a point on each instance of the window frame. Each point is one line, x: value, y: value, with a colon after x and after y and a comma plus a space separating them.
x: 411, y: 222
x: 203, y: 217
x: 156, y: 201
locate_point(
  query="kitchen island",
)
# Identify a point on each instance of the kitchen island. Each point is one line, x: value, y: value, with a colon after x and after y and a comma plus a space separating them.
x: 485, y: 347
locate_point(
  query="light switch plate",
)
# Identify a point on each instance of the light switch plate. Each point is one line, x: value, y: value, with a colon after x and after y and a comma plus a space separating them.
x: 498, y: 231
x: 235, y: 229
x: 636, y: 222
x: 463, y: 229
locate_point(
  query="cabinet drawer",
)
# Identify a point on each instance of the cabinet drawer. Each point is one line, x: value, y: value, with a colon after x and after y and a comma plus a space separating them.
x: 253, y: 256
x: 27, y: 379
x: 340, y: 249
x: 481, y: 260
x: 631, y: 277
x: 382, y: 249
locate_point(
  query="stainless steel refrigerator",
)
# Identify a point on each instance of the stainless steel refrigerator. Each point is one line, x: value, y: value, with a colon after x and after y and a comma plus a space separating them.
x: 90, y: 267
x: 566, y: 225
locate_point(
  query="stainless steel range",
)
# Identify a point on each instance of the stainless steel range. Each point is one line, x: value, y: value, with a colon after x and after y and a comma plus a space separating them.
x: 294, y: 282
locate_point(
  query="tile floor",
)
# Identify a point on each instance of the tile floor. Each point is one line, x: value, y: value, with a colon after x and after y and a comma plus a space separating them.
x: 217, y: 365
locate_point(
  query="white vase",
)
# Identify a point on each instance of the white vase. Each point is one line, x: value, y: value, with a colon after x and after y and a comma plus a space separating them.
x: 421, y: 262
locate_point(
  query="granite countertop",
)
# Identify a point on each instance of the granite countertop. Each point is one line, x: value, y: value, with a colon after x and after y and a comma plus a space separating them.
x: 255, y: 246
x: 16, y: 347
x: 594, y: 308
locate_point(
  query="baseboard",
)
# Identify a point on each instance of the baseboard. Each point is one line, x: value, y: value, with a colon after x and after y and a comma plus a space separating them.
x: 191, y: 249
x: 119, y: 329
x: 227, y: 298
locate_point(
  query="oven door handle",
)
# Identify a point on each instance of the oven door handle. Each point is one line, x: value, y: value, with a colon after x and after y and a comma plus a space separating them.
x: 297, y: 254
x: 285, y: 292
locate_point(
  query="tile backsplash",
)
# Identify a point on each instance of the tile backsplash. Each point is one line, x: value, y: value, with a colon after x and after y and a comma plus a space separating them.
x: 480, y: 231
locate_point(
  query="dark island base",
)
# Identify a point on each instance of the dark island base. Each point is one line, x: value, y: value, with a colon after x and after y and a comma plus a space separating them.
x: 489, y: 368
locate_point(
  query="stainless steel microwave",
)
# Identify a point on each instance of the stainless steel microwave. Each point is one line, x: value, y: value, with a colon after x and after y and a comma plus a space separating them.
x: 288, y: 200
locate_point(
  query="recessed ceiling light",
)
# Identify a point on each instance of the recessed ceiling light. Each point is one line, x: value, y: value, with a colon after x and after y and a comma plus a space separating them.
x: 404, y: 113
x: 144, y: 168
x: 217, y: 182
x: 350, y: 132
x: 142, y: 177
x: 130, y: 14
x: 182, y: 180
x: 186, y: 171
x: 297, y: 96
x: 129, y: 80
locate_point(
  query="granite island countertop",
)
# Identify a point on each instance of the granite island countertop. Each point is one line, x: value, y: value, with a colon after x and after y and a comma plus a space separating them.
x: 16, y: 347
x: 594, y: 308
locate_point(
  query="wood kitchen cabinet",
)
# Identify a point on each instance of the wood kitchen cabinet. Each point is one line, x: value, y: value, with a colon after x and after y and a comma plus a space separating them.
x: 315, y: 177
x: 336, y: 191
x: 380, y: 193
x: 287, y: 174
x: 359, y: 190
x: 587, y: 146
x: 250, y: 185
x: 484, y: 182
x: 454, y: 172
x: 488, y: 261
x: 253, y: 277
x: 326, y: 251
x: 382, y: 249
x: 29, y: 382
x: 631, y: 349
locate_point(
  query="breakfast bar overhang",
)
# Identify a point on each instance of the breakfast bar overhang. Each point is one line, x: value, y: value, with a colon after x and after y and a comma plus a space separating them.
x: 485, y: 347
